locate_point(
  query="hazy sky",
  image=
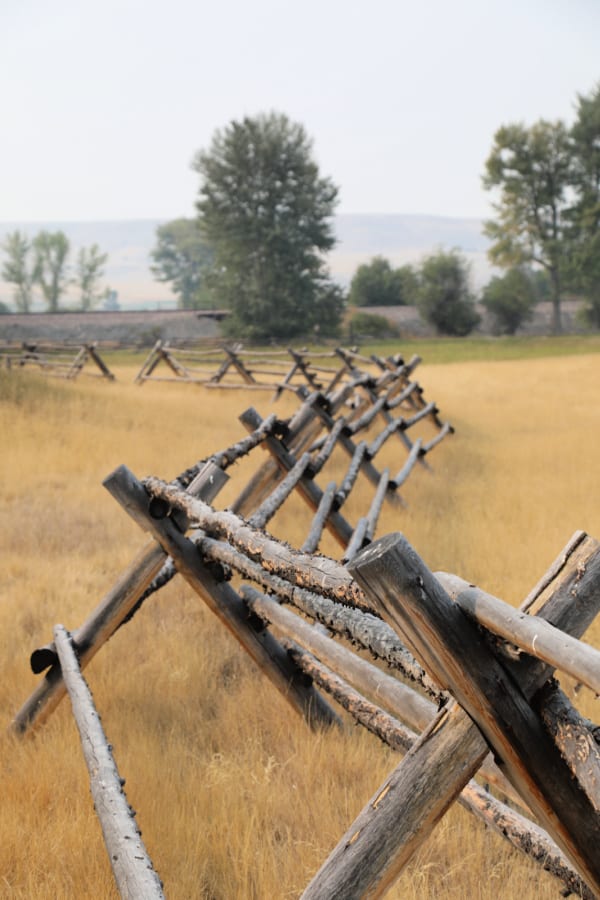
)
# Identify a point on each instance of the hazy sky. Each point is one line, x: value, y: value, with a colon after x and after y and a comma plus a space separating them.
x: 105, y: 102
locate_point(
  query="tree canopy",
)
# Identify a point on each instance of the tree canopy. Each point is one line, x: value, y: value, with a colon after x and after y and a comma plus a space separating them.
x: 510, y: 299
x: 90, y: 269
x: 50, y: 272
x: 376, y: 283
x: 17, y: 269
x: 532, y: 169
x: 182, y: 256
x: 266, y: 212
x: 444, y: 298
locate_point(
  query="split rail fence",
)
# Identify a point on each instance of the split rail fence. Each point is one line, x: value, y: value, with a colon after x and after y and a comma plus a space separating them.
x: 275, y: 370
x: 56, y: 359
x: 463, y: 685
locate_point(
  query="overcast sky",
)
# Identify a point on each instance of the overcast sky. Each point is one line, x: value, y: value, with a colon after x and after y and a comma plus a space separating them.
x: 106, y: 101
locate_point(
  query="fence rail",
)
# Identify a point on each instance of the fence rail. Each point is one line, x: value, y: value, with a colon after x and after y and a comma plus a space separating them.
x: 60, y: 360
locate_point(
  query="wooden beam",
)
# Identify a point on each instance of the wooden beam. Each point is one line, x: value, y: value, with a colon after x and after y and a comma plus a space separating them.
x: 222, y: 600
x: 132, y: 867
x: 452, y: 649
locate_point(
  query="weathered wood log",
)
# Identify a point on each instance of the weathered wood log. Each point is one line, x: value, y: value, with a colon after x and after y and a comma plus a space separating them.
x: 362, y: 629
x: 525, y: 836
x: 577, y: 739
x: 95, y: 356
x: 320, y: 517
x: 352, y: 474
x: 414, y: 455
x: 132, y: 867
x: 377, y: 503
x: 301, y: 431
x: 222, y: 600
x: 384, y: 726
x: 225, y: 458
x: 350, y: 447
x: 305, y: 570
x: 106, y: 618
x: 392, y: 694
x: 453, y: 650
x: 373, y: 851
x: 357, y: 541
x: 530, y: 633
x: 269, y: 507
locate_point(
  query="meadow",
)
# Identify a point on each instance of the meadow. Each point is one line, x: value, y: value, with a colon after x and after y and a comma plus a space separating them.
x: 236, y: 798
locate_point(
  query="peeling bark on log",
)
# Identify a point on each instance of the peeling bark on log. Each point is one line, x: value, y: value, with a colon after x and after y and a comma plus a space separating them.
x: 317, y: 527
x: 134, y: 874
x: 454, y: 651
x: 363, y: 629
x: 577, y: 738
x: 318, y: 573
x: 275, y: 500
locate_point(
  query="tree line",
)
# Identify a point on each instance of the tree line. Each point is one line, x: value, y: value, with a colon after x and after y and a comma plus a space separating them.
x: 44, y: 262
x: 264, y: 223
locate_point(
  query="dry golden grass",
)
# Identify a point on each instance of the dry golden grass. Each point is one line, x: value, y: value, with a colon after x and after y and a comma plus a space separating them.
x: 236, y: 798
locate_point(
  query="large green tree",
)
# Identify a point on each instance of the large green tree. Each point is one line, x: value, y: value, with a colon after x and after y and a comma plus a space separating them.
x: 376, y: 283
x: 89, y: 271
x: 444, y: 298
x: 510, y: 299
x: 585, y: 212
x: 531, y: 168
x: 51, y: 249
x: 182, y: 257
x: 266, y: 212
x: 17, y: 269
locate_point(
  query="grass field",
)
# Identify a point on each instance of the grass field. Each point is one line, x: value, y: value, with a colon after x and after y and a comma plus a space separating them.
x: 235, y: 797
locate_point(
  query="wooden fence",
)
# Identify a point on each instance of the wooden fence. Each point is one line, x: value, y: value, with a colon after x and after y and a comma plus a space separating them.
x: 59, y: 360
x: 464, y: 682
x: 231, y: 366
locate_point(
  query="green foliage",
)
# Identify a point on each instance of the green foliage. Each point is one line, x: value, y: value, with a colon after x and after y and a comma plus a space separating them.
x: 532, y: 169
x: 266, y: 212
x: 90, y: 269
x: 444, y: 299
x: 585, y: 213
x: 17, y: 269
x: 50, y: 271
x: 182, y: 256
x: 4, y: 309
x: 368, y: 325
x: 377, y: 284
x: 510, y: 299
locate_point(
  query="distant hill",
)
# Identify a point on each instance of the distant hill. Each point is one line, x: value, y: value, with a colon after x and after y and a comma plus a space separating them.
x: 400, y: 238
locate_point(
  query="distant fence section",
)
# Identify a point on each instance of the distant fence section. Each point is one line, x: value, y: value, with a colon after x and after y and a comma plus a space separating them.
x: 461, y: 683
x: 233, y: 366
x: 57, y: 359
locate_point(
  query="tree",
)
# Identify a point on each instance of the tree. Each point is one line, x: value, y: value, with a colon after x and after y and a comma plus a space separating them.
x: 510, y: 299
x: 183, y: 257
x: 50, y: 269
x: 585, y: 212
x: 532, y: 169
x: 17, y: 269
x: 90, y: 269
x: 266, y: 212
x: 444, y: 299
x: 377, y: 284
